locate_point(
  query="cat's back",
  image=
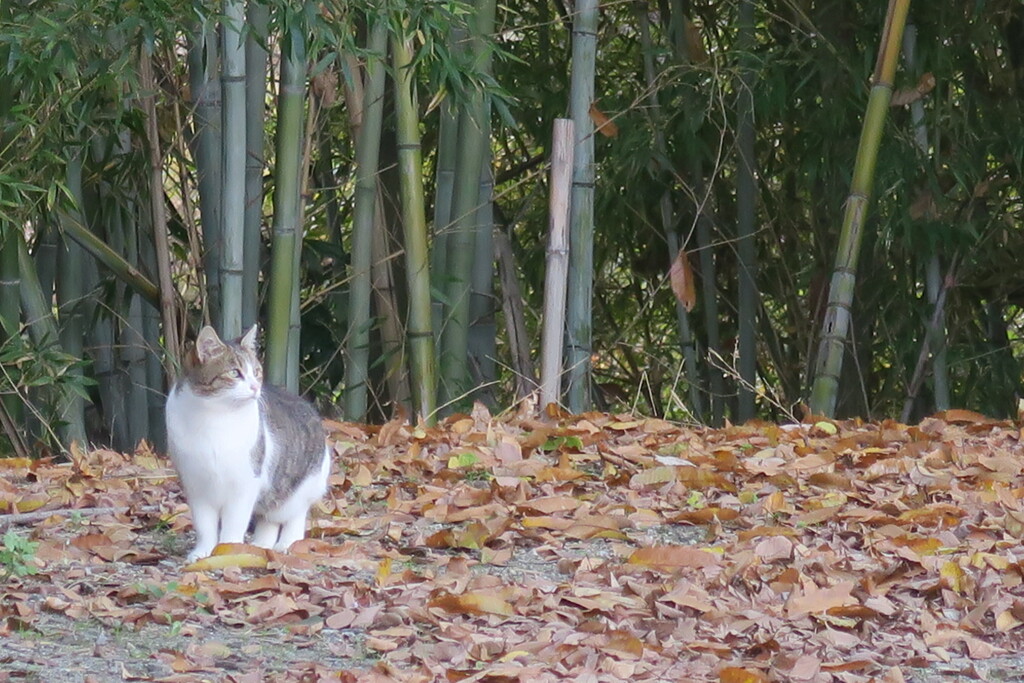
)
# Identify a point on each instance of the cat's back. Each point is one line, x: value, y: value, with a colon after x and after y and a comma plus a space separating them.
x: 292, y: 420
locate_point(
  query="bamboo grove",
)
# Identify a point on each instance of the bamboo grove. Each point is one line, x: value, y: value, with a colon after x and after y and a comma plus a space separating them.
x: 773, y: 207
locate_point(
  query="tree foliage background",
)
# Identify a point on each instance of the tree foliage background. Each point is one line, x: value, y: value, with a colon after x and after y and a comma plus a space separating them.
x: 79, y: 266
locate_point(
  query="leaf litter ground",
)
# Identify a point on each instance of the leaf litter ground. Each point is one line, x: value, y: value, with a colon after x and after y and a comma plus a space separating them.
x: 589, y: 548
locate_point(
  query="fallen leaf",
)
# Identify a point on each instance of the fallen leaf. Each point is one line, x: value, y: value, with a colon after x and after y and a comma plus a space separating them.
x: 671, y: 558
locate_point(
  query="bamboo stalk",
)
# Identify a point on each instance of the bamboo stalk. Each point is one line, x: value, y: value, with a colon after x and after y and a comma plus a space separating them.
x: 233, y: 155
x: 933, y: 275
x: 287, y: 201
x: 10, y: 282
x: 204, y: 63
x: 746, y: 210
x: 124, y: 270
x: 579, y: 311
x: 557, y: 268
x: 70, y: 296
x: 933, y: 334
x: 515, y: 319
x: 357, y: 340
x: 836, y: 325
x: 444, y: 188
x: 482, y: 340
x: 168, y: 292
x: 255, y: 104
x: 474, y: 131
x: 667, y: 214
x: 414, y: 226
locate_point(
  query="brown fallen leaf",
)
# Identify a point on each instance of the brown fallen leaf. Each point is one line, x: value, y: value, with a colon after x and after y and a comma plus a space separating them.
x: 472, y: 603
x: 672, y: 558
x: 813, y: 600
x: 735, y: 674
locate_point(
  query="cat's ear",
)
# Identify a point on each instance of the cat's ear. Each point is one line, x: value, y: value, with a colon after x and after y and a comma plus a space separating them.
x: 208, y: 344
x: 248, y: 340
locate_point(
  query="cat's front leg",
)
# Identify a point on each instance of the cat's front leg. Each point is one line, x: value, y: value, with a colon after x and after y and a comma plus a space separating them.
x: 292, y: 530
x: 205, y: 521
x: 234, y: 521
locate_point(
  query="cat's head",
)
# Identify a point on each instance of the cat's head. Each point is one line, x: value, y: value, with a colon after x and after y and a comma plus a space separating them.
x: 226, y: 371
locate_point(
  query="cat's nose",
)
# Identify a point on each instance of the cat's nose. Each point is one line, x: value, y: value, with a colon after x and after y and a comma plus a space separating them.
x: 255, y: 388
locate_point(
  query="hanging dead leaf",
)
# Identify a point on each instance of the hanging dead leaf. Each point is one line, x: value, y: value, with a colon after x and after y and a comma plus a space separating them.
x: 605, y: 126
x: 683, y: 284
x: 906, y: 96
x: 695, y: 43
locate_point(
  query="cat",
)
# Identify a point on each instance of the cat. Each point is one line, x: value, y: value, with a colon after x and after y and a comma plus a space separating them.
x: 244, y: 451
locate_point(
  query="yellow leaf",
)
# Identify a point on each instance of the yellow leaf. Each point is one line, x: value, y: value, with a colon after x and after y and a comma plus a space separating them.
x: 953, y: 576
x: 998, y: 562
x: 514, y: 654
x: 15, y: 463
x: 383, y: 571
x: 653, y: 477
x: 827, y: 427
x: 1005, y: 621
x: 29, y: 505
x: 735, y: 674
x: 244, y: 560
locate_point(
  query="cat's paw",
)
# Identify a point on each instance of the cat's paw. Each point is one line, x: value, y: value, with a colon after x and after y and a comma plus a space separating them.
x: 197, y: 554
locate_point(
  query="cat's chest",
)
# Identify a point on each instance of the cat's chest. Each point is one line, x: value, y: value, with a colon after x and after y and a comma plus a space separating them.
x: 204, y: 434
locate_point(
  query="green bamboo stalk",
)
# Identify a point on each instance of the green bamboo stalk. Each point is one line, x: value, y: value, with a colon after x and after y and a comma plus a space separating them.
x: 444, y: 187
x: 44, y: 254
x: 10, y: 283
x: 473, y: 136
x: 112, y: 389
x: 482, y: 342
x: 70, y: 295
x: 255, y: 104
x: 581, y: 224
x: 205, y: 141
x: 287, y: 200
x: 414, y: 224
x: 836, y: 325
x: 232, y: 166
x: 357, y: 341
x: 746, y: 208
x: 390, y: 326
x: 151, y: 344
x: 109, y: 257
x: 667, y: 214
x: 39, y: 320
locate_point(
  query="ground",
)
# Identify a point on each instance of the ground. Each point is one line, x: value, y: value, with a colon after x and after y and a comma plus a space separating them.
x: 588, y: 548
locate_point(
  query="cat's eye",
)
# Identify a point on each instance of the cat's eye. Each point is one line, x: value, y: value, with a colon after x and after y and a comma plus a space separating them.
x: 237, y: 374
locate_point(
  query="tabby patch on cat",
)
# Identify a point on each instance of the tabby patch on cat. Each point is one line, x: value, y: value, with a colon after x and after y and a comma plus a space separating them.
x: 245, y: 452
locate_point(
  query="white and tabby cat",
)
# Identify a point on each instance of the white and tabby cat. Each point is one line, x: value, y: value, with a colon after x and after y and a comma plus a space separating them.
x: 244, y: 451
